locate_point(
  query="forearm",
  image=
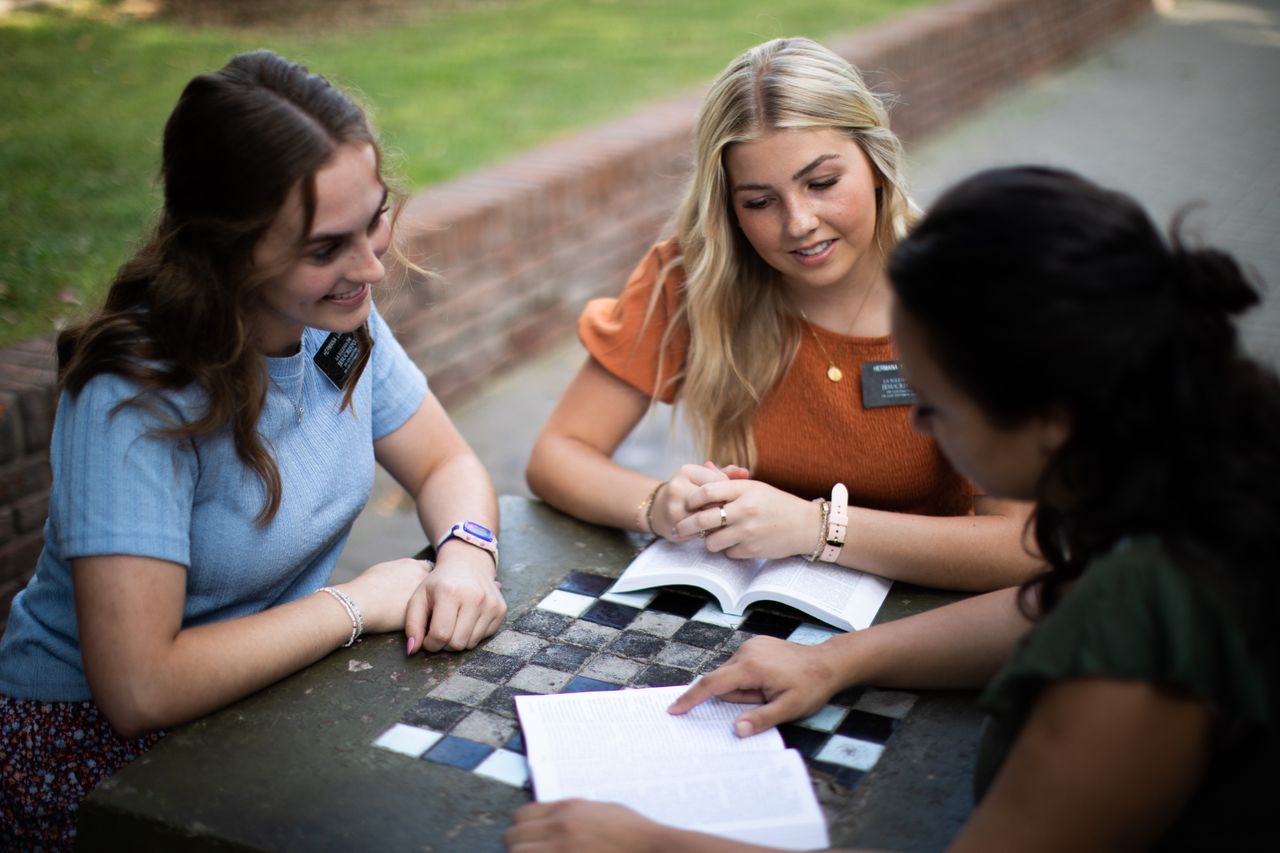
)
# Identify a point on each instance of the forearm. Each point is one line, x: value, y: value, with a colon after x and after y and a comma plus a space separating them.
x: 459, y: 489
x: 578, y: 479
x: 959, y: 646
x: 971, y: 552
x: 207, y: 667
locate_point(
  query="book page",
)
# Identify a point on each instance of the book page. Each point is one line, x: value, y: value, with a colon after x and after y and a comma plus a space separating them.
x: 625, y: 724
x: 822, y: 588
x: 757, y: 797
x: 666, y: 563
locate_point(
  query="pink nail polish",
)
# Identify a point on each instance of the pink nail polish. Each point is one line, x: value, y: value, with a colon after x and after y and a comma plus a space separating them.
x: 410, y: 646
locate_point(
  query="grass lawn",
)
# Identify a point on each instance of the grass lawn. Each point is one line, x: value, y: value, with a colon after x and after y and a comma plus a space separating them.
x: 84, y: 94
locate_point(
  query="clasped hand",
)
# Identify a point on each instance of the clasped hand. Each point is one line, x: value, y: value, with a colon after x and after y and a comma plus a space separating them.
x: 458, y: 604
x: 741, y: 517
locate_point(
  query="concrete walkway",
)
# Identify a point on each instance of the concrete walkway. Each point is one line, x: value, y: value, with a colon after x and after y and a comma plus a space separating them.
x: 1181, y: 109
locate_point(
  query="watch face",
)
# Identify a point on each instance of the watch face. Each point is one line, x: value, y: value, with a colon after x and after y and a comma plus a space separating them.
x: 478, y: 530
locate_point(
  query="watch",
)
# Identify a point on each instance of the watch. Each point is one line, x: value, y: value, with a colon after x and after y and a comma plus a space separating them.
x: 473, y: 534
x: 837, y: 522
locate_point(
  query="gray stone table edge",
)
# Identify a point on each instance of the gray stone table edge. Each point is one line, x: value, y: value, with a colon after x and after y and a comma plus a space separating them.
x: 293, y: 767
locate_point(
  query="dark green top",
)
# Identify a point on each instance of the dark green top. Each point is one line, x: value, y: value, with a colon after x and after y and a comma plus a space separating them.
x: 1134, y: 614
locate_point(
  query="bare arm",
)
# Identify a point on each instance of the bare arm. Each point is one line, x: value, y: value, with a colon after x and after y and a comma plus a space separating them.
x: 1101, y: 765
x: 459, y: 602
x: 147, y: 672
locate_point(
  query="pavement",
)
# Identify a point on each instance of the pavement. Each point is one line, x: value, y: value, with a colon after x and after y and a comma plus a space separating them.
x: 1176, y: 111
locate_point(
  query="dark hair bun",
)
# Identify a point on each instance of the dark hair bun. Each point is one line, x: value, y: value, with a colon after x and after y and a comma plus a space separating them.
x: 1210, y: 279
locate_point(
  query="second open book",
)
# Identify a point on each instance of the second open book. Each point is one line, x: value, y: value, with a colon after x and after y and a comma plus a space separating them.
x: 846, y: 598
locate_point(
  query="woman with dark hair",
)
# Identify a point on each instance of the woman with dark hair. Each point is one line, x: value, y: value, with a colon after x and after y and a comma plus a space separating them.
x: 216, y: 435
x: 1064, y: 352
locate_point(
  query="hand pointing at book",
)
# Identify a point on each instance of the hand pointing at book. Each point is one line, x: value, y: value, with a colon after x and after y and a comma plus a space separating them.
x: 792, y: 681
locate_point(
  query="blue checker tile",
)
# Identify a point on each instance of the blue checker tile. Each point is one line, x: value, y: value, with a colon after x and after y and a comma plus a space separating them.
x: 502, y: 700
x: 864, y: 726
x: 562, y: 657
x: 848, y: 697
x: 458, y: 752
x: 516, y: 744
x: 676, y: 603
x: 770, y: 624
x: 586, y: 583
x: 847, y: 777
x: 632, y: 644
x: 702, y: 635
x: 613, y: 615
x: 582, y: 684
x: 542, y: 623
x: 437, y: 714
x: 489, y: 667
x: 807, y: 742
x: 657, y: 675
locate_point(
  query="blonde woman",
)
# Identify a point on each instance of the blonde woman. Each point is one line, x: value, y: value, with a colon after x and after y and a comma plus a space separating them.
x: 766, y: 317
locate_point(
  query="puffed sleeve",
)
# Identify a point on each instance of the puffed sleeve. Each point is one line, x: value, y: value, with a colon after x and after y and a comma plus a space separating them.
x: 626, y: 338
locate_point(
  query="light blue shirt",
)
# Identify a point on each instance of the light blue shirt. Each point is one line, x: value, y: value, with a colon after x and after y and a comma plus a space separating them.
x: 119, y: 490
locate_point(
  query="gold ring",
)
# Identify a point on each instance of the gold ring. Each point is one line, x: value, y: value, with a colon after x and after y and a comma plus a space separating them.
x: 724, y: 517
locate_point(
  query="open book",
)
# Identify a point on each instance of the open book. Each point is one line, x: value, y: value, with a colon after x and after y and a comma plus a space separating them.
x: 690, y: 771
x: 845, y: 598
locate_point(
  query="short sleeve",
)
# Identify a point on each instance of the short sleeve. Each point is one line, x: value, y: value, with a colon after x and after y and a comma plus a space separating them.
x: 120, y: 488
x: 1135, y: 614
x: 625, y: 336
x: 398, y: 384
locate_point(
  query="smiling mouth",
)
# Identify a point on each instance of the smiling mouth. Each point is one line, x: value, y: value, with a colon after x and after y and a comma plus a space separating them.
x: 816, y: 249
x: 348, y: 295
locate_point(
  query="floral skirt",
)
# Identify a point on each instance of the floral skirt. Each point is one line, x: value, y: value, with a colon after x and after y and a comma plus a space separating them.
x: 52, y: 754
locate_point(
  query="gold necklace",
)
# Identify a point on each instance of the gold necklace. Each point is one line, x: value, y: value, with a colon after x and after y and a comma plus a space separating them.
x: 834, y: 373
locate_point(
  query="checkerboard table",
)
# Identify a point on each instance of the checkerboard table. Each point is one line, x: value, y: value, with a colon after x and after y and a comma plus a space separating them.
x: 582, y: 637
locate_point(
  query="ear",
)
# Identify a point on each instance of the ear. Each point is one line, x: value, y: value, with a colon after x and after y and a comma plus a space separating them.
x: 1054, y: 429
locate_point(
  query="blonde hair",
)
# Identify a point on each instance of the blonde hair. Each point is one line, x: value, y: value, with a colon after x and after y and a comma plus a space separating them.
x: 742, y: 336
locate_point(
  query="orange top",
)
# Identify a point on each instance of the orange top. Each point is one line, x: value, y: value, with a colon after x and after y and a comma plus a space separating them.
x: 810, y: 433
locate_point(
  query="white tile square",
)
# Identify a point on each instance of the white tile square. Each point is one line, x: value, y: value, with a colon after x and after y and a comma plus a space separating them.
x: 639, y: 599
x: 713, y: 615
x: 825, y: 720
x: 812, y: 635
x: 408, y: 740
x: 505, y: 766
x: 851, y: 752
x: 886, y: 703
x: 567, y: 603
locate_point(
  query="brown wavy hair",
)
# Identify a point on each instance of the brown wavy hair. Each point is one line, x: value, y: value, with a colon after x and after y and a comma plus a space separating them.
x: 179, y: 311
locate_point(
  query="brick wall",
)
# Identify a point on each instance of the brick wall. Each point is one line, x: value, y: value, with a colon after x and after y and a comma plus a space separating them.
x: 520, y: 246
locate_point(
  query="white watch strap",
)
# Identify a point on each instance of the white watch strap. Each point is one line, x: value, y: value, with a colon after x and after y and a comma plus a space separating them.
x: 837, y: 524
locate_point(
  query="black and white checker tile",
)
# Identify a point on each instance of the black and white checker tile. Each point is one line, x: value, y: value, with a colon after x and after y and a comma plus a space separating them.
x: 582, y: 637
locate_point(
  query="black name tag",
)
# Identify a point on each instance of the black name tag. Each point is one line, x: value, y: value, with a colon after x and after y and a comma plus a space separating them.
x: 883, y: 385
x: 337, y: 356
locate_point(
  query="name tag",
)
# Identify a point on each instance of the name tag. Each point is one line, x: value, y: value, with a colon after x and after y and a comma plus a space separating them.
x: 883, y: 385
x: 337, y: 356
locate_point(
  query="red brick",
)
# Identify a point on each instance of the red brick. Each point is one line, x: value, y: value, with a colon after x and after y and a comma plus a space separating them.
x: 18, y: 557
x: 24, y: 477
x: 30, y: 512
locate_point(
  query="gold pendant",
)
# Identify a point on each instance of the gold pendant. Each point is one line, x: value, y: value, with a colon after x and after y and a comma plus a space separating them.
x: 834, y: 373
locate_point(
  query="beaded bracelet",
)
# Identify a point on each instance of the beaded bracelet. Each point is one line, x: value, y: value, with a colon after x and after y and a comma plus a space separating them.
x: 646, y: 507
x: 357, y: 620
x: 822, y: 530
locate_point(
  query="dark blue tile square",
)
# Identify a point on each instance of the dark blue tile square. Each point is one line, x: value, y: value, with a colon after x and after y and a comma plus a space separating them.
x: 656, y: 675
x: 676, y: 603
x: 770, y: 624
x: 436, y: 714
x: 582, y: 684
x: 611, y: 614
x: 542, y: 623
x: 848, y: 697
x: 489, y: 667
x: 846, y: 777
x: 864, y: 726
x: 458, y: 752
x: 502, y: 700
x: 807, y: 742
x: 585, y: 583
x: 516, y: 744
x: 702, y: 635
x: 633, y: 644
x: 563, y: 657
